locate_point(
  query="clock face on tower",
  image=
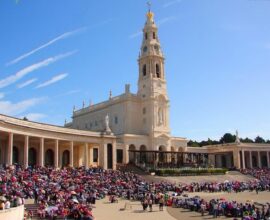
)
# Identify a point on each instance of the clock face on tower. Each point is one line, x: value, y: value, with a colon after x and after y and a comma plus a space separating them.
x: 145, y: 49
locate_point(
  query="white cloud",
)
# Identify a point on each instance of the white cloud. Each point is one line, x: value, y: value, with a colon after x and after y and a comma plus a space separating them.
x: 2, y: 95
x: 53, y: 80
x: 14, y: 109
x: 58, y: 38
x: 21, y: 73
x: 34, y: 116
x: 165, y: 20
x: 26, y: 83
x: 68, y: 93
x: 171, y: 3
x: 137, y: 34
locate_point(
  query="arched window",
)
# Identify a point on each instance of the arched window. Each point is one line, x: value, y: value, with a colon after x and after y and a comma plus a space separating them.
x: 154, y: 35
x: 49, y: 158
x: 144, y: 70
x: 145, y: 36
x: 157, y: 71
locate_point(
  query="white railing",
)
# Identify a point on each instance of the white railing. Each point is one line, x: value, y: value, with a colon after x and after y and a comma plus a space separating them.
x: 16, y: 213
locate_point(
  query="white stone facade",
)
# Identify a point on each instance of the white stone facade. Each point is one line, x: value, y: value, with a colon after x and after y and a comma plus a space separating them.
x: 142, y: 118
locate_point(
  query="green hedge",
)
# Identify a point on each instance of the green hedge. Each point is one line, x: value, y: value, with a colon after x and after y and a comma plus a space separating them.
x: 188, y: 172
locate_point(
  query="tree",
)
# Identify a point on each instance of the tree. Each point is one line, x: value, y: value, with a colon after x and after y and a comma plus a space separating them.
x: 246, y: 140
x: 227, y: 138
x: 193, y: 144
x: 25, y: 118
x: 259, y: 139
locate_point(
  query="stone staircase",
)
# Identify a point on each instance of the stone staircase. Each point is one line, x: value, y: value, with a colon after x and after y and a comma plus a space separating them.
x: 132, y: 168
x: 234, y: 172
x: 31, y: 206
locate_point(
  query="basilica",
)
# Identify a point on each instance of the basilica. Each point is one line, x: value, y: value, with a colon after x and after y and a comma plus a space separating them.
x: 129, y: 128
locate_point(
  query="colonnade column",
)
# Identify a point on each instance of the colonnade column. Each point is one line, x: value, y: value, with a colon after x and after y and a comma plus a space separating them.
x: 10, y: 149
x: 259, y: 159
x: 41, y: 152
x: 56, y: 154
x: 71, y: 152
x: 236, y: 159
x: 86, y: 156
x: 268, y: 160
x: 114, y: 155
x: 25, y: 150
x: 243, y: 160
x: 250, y: 159
x: 103, y: 155
x: 126, y: 154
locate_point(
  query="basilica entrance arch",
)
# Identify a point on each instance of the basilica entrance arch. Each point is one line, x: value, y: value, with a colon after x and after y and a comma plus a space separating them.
x: 49, y: 158
x: 65, y: 158
x: 32, y: 154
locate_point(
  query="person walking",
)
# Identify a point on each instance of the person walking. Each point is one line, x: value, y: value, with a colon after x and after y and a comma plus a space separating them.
x: 161, y: 203
x: 150, y: 203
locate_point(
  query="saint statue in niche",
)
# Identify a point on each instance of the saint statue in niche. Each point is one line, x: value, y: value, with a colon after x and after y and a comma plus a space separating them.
x: 160, y: 116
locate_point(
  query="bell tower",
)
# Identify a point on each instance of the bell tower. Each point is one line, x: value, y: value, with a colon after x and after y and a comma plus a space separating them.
x: 152, y: 86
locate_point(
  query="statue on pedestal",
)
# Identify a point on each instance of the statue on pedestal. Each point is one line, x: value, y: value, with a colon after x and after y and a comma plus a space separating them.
x: 107, y: 126
x: 237, y: 139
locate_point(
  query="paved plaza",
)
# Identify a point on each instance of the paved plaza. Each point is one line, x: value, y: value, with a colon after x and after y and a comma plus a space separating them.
x: 105, y: 210
x: 179, y: 213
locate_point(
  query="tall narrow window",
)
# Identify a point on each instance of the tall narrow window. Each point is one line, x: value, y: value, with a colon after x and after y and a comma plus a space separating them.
x: 144, y: 111
x: 115, y: 120
x: 145, y: 36
x: 144, y: 70
x: 157, y: 71
x: 154, y: 35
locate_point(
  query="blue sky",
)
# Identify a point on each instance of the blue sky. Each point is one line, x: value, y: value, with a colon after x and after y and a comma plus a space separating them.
x: 55, y: 54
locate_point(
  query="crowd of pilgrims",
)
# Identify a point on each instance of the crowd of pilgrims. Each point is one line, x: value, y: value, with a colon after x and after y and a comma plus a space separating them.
x: 71, y: 192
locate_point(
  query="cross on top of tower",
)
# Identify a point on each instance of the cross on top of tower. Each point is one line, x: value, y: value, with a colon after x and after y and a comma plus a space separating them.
x: 149, y: 4
x: 150, y: 14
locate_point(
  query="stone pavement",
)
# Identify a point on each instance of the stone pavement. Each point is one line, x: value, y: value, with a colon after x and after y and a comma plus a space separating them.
x: 106, y: 210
